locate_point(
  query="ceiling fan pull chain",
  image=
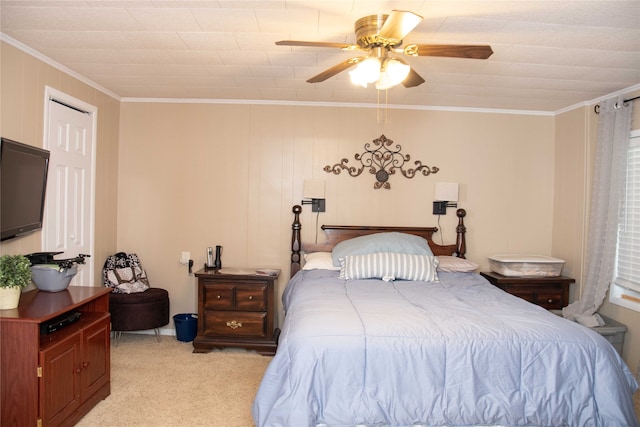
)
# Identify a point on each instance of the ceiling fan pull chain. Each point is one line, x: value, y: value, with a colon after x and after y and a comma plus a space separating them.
x: 379, y: 111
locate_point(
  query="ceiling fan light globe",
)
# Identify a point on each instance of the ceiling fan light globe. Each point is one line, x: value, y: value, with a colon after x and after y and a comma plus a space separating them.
x: 384, y: 83
x: 369, y: 69
x: 357, y: 78
x: 396, y: 70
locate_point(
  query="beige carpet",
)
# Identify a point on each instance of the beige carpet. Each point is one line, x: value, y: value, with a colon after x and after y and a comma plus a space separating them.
x: 165, y: 384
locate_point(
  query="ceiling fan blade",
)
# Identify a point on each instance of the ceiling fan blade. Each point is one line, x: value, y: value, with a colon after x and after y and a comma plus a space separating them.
x: 413, y: 79
x: 338, y: 68
x: 450, y: 50
x: 398, y: 25
x: 344, y: 46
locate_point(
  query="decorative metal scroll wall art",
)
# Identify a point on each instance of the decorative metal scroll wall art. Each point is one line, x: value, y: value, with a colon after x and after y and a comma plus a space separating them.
x: 382, y: 162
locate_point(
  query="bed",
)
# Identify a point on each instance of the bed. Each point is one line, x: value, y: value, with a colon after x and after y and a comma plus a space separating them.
x: 421, y: 348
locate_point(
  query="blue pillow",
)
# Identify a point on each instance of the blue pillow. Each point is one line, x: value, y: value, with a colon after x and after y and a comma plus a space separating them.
x: 394, y: 242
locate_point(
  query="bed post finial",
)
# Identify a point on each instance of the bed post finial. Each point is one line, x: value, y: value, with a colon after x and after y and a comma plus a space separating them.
x: 296, y: 240
x: 461, y: 242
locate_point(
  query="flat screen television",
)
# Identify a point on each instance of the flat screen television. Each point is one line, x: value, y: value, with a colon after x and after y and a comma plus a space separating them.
x: 23, y: 184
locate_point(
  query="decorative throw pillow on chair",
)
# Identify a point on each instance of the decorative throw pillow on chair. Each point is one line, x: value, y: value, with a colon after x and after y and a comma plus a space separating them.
x: 124, y: 273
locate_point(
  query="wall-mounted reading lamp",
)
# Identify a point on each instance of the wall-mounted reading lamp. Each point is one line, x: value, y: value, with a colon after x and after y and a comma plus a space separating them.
x: 313, y: 189
x: 446, y: 197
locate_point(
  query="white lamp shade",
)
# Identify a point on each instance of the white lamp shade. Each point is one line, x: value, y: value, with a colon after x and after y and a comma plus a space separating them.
x: 384, y: 72
x: 367, y: 71
x: 395, y: 71
x: 447, y: 191
x: 313, y: 189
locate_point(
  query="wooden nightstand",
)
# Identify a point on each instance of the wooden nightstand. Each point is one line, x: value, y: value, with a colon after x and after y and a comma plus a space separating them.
x: 551, y: 293
x: 236, y: 308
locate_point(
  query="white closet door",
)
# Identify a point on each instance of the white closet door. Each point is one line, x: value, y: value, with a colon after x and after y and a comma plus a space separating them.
x: 69, y: 209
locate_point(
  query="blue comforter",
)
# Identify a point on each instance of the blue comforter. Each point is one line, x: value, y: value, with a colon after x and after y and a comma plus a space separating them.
x: 454, y: 352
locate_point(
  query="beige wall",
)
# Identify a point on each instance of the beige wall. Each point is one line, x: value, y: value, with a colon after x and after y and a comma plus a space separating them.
x: 575, y: 140
x: 198, y: 175
x: 570, y: 187
x: 23, y: 81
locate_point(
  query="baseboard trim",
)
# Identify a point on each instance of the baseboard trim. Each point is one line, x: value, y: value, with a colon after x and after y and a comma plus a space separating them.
x: 163, y: 331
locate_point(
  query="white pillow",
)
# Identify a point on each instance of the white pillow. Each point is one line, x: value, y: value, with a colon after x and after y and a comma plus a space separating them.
x: 452, y: 264
x: 389, y: 266
x: 319, y: 260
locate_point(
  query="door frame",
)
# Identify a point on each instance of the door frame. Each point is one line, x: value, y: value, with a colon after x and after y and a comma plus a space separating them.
x: 54, y: 94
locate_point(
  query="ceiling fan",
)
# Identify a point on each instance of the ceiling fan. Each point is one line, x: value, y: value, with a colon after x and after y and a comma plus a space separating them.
x: 380, y: 36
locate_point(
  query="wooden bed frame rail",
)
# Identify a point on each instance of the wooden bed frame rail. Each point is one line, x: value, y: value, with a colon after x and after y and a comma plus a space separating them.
x: 338, y: 233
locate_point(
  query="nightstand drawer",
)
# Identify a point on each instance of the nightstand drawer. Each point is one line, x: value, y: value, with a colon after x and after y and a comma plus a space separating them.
x: 550, y: 301
x: 234, y: 323
x: 547, y: 298
x: 218, y: 297
x: 525, y: 295
x: 251, y: 298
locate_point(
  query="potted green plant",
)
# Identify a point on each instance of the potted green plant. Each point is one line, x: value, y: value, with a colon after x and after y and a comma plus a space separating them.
x: 15, y: 274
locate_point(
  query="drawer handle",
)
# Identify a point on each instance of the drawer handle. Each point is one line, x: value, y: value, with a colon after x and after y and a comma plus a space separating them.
x: 218, y: 297
x: 250, y: 297
x: 549, y: 300
x: 234, y: 324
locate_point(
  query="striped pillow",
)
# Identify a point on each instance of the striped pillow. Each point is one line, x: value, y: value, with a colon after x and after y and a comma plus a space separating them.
x: 389, y: 266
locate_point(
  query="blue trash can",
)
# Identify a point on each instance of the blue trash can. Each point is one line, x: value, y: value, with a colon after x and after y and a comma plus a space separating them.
x: 186, y: 326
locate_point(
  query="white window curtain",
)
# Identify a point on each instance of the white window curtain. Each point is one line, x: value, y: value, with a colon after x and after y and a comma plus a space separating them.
x: 614, y: 126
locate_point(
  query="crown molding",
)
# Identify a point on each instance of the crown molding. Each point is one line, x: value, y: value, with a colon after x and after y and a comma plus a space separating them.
x: 597, y: 100
x: 335, y: 105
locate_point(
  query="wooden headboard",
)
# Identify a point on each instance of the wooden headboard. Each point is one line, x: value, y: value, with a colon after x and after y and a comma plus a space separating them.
x: 338, y: 233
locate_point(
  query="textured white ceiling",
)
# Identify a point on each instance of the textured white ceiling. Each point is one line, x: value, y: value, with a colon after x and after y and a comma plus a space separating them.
x: 548, y: 55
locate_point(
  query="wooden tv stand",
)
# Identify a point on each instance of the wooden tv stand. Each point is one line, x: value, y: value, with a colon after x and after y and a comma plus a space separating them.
x: 54, y: 379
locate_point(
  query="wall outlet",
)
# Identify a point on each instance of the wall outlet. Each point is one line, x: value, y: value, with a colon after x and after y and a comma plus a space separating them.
x: 184, y: 259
